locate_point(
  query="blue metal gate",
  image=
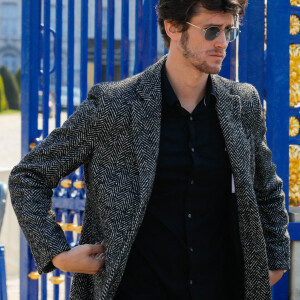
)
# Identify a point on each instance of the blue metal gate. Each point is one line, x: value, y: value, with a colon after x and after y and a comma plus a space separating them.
x: 122, y: 41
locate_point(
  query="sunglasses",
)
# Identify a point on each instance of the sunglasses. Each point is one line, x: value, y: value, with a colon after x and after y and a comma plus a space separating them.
x: 213, y: 32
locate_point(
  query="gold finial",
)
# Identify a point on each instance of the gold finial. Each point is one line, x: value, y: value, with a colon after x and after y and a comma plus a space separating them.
x: 34, y: 275
x: 56, y: 279
x: 78, y: 229
x: 78, y: 184
x: 32, y: 145
x: 66, y: 183
x: 66, y: 226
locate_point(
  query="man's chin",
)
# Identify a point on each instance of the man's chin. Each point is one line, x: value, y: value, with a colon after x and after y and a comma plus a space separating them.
x: 212, y: 70
x: 209, y: 69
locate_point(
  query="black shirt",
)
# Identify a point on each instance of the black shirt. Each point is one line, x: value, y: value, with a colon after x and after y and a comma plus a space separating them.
x: 183, y: 249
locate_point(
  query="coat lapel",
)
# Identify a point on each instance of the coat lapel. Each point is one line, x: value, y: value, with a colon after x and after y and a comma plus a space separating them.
x: 228, y: 107
x: 146, y: 123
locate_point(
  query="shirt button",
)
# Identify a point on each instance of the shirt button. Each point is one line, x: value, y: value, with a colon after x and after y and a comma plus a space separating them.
x: 191, y: 118
x: 189, y: 216
x: 191, y: 282
x: 192, y: 181
x: 193, y: 149
x: 191, y: 249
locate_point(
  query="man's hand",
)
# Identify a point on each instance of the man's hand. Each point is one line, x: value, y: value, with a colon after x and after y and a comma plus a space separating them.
x: 87, y: 259
x: 275, y: 275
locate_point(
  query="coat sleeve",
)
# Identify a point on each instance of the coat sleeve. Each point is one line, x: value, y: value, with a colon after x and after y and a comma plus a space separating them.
x: 32, y: 180
x: 270, y: 196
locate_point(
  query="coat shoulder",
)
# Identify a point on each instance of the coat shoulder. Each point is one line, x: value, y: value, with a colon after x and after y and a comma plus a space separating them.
x: 114, y: 92
x: 246, y: 91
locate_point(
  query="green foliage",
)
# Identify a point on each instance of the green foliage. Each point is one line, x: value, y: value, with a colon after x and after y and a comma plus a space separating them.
x: 18, y: 79
x: 3, y: 101
x: 11, y: 89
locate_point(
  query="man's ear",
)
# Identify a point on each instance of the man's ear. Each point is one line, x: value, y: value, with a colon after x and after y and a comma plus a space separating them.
x: 172, y: 30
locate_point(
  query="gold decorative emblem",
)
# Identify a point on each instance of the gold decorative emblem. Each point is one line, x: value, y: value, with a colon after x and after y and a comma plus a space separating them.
x: 294, y: 75
x: 294, y: 176
x: 295, y: 2
x: 294, y: 25
x: 294, y: 126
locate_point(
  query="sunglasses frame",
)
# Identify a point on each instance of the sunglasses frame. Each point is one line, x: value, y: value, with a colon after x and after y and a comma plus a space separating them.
x: 238, y: 31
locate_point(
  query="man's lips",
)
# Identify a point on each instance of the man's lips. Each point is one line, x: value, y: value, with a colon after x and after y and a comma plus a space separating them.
x: 218, y: 55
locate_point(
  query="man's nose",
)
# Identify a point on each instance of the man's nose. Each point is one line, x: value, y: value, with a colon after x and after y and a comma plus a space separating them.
x: 221, y: 40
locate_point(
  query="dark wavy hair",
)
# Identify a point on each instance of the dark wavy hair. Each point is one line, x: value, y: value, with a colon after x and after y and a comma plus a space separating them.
x: 181, y: 11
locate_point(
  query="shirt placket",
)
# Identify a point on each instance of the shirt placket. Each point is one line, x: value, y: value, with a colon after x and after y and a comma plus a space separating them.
x: 189, y: 205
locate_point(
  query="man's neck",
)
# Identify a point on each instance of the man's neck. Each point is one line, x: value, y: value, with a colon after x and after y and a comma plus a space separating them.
x: 188, y: 83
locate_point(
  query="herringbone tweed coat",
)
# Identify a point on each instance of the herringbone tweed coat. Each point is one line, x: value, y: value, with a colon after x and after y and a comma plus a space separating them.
x: 115, y: 134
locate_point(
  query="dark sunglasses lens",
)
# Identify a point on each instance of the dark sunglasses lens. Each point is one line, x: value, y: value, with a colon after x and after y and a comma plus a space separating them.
x: 212, y: 33
x: 231, y: 34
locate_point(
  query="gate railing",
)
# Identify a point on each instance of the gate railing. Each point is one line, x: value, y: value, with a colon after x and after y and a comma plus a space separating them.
x: 128, y: 46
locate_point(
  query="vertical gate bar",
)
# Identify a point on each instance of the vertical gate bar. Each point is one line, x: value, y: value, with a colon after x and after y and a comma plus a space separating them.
x: 58, y: 61
x: 149, y: 33
x: 56, y: 286
x: 277, y: 94
x: 277, y: 87
x: 110, y: 50
x: 84, y: 49
x: 251, y: 63
x: 146, y: 37
x: 83, y: 53
x: 125, y: 39
x: 3, y: 288
x: 44, y: 287
x: 33, y: 291
x: 138, y: 65
x: 69, y: 235
x: 243, y: 46
x: 153, y: 33
x: 29, y: 107
x: 46, y: 67
x: 56, y: 272
x: 68, y: 278
x: 70, y: 74
x: 98, y: 42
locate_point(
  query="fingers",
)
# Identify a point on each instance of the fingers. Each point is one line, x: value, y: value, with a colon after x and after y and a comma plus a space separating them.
x: 100, y: 256
x: 87, y: 259
x: 96, y: 263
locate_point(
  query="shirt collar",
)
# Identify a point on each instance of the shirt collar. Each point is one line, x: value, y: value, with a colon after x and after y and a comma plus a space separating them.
x: 170, y: 96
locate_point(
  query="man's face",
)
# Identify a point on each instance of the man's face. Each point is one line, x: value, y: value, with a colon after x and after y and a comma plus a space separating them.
x: 206, y: 56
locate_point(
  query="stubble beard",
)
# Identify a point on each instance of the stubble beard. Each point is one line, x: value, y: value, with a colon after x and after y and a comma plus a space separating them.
x: 201, y: 66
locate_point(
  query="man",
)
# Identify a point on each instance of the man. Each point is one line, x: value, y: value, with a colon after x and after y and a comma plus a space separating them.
x: 181, y: 189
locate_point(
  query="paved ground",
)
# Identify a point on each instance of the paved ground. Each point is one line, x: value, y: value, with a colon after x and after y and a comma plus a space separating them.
x: 10, y: 153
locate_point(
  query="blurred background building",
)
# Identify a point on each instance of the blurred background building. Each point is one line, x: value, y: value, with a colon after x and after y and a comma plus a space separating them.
x: 11, y: 36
